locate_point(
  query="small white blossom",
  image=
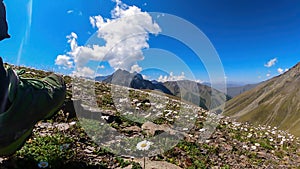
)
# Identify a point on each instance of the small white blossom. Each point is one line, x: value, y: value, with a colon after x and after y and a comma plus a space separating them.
x: 203, y: 129
x: 105, y: 117
x: 245, y: 147
x: 72, y: 123
x: 144, y: 145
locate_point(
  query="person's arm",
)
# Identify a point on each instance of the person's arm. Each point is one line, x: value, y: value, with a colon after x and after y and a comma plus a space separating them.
x: 3, y: 23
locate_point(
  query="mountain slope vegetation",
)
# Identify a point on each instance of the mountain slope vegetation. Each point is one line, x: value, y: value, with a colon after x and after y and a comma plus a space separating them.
x: 63, y: 142
x: 275, y: 102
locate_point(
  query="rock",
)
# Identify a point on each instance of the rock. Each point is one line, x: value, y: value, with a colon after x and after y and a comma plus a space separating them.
x: 262, y: 154
x: 228, y: 147
x: 88, y: 151
x: 128, y: 167
x: 243, y: 157
x: 157, y: 164
x: 62, y: 126
x: 151, y: 128
x: 134, y: 129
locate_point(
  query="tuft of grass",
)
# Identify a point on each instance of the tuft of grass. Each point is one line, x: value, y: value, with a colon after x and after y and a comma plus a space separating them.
x: 54, y: 149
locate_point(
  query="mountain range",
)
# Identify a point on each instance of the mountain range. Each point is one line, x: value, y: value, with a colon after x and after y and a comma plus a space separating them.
x: 275, y: 102
x: 132, y: 80
x: 193, y: 92
x: 237, y: 90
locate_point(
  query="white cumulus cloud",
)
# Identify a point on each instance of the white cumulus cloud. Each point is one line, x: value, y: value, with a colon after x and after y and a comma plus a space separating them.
x: 271, y: 62
x: 126, y: 35
x: 280, y: 71
x: 171, y: 77
x: 101, y: 67
x: 64, y: 60
x: 136, y: 68
x: 76, y: 12
x: 84, y: 72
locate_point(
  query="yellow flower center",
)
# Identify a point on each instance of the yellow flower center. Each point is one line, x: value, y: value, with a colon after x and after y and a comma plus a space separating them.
x: 144, y: 145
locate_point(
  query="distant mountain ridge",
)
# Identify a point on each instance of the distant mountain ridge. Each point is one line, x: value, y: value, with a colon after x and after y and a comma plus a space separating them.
x: 275, y: 102
x: 205, y: 96
x: 235, y: 91
x: 190, y: 91
x: 133, y: 80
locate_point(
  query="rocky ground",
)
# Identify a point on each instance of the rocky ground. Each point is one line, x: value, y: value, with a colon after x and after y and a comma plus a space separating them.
x: 182, y: 135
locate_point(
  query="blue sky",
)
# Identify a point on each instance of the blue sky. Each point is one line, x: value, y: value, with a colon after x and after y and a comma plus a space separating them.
x: 246, y: 34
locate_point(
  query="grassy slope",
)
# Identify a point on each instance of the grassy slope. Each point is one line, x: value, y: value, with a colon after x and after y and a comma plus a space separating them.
x: 275, y: 102
x: 232, y: 145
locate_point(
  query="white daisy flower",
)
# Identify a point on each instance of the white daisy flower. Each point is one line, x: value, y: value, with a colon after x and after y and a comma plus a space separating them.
x: 105, y: 117
x: 144, y: 145
x: 203, y: 129
x: 253, y: 147
x: 257, y: 144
